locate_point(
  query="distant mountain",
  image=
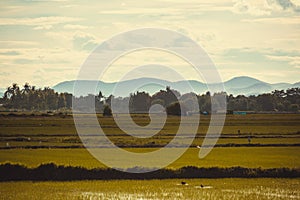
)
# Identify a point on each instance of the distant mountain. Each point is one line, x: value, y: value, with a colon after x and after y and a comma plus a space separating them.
x: 237, y: 86
x: 124, y: 88
x: 281, y: 85
x: 257, y: 88
x: 242, y: 82
x: 296, y: 84
x: 2, y: 91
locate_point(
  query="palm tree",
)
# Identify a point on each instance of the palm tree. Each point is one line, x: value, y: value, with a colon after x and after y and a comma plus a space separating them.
x: 26, y: 88
x: 8, y: 93
x: 13, y: 96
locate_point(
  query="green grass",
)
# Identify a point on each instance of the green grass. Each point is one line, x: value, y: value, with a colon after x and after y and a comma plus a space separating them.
x: 53, y: 125
x: 55, y: 131
x: 227, y: 189
x: 60, y: 131
x: 252, y: 157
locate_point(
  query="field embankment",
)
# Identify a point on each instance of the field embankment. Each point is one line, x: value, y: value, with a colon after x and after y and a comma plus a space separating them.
x: 52, y: 172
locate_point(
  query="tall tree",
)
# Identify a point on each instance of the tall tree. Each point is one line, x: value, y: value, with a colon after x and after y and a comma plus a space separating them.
x: 139, y: 102
x: 168, y: 96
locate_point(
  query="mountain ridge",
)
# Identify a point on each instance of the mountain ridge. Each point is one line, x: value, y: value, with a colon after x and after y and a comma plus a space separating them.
x: 242, y: 85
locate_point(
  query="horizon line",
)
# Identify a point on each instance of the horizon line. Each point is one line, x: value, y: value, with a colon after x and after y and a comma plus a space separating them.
x: 242, y: 76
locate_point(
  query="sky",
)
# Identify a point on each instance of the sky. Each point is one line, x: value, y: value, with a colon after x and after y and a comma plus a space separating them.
x: 44, y: 42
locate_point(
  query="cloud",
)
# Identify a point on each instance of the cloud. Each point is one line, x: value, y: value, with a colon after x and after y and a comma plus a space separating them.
x: 74, y: 26
x: 291, y: 60
x: 17, y: 44
x: 265, y: 7
x: 9, y: 53
x: 44, y: 27
x: 39, y: 21
x: 295, y: 2
x: 47, y: 0
x: 140, y: 11
x: 288, y: 4
x: 254, y: 7
x: 276, y: 20
x: 44, y: 57
x: 69, y: 6
x: 170, y: 9
x: 264, y: 58
x: 84, y: 41
x: 56, y: 63
x: 57, y: 36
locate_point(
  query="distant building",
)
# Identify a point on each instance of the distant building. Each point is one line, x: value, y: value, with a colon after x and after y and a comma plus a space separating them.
x: 204, y: 113
x: 243, y: 112
x: 239, y: 112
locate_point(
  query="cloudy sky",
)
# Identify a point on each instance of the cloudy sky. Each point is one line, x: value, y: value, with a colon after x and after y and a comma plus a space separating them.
x: 44, y: 42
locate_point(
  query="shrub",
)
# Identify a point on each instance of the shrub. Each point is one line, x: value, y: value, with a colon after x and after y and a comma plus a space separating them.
x: 107, y: 111
x: 176, y: 109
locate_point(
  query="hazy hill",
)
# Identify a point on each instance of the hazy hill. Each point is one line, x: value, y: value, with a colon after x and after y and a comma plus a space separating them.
x: 238, y: 85
x: 296, y: 84
x: 124, y: 88
x: 242, y: 82
x: 2, y: 91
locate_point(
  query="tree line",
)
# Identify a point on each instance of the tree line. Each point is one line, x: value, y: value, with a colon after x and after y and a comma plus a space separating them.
x: 53, y: 172
x: 31, y: 98
x: 40, y: 99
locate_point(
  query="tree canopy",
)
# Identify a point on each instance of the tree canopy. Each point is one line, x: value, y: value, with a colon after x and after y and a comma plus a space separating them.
x: 29, y: 97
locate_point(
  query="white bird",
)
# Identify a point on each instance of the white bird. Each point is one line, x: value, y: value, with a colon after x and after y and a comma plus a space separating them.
x: 198, y: 147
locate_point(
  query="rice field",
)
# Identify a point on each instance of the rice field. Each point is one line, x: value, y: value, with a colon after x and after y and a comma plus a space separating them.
x: 170, y: 189
x: 251, y: 157
x: 60, y: 131
x: 275, y: 139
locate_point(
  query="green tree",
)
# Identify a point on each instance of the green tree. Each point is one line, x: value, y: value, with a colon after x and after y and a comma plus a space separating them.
x: 168, y: 96
x: 107, y: 111
x: 176, y: 109
x: 12, y: 96
x: 69, y: 98
x: 61, y: 102
x: 204, y: 102
x: 265, y: 102
x: 139, y: 102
